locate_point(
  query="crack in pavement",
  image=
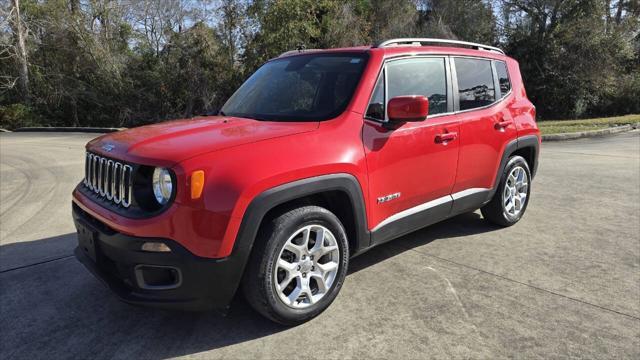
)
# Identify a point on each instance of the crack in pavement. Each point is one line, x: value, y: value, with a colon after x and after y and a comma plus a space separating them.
x: 525, y: 284
x: 37, y: 263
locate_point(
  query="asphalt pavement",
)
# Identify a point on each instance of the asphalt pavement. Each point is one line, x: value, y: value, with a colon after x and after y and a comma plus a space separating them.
x: 563, y: 282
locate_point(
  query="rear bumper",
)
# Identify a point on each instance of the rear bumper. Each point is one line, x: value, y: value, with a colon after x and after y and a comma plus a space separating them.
x: 192, y: 282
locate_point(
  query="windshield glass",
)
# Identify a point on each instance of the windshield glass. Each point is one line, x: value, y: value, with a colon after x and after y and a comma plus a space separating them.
x: 310, y: 87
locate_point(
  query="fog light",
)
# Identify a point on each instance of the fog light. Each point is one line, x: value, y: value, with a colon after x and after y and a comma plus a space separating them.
x: 155, y: 247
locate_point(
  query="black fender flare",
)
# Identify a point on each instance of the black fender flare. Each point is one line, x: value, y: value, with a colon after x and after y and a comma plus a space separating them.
x: 281, y: 194
x: 269, y: 199
x: 527, y: 141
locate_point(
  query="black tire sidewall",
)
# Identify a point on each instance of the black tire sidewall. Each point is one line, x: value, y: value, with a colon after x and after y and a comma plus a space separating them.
x: 514, y: 162
x: 286, y: 226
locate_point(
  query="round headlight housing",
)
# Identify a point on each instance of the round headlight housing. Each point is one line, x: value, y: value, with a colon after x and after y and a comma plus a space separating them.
x: 162, y: 185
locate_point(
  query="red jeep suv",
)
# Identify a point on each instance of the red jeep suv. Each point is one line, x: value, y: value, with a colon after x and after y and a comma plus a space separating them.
x: 319, y: 156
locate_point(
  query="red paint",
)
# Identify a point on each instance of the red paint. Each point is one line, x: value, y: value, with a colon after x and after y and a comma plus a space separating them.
x: 241, y: 158
x: 408, y: 108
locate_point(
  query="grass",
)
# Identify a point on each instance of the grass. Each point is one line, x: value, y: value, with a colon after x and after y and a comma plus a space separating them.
x: 570, y: 126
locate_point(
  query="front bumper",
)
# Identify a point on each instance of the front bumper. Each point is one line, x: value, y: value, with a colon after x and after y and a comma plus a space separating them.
x: 179, y: 279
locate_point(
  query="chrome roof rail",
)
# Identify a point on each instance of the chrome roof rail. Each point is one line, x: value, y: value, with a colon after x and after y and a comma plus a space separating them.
x: 424, y: 41
x: 298, y: 51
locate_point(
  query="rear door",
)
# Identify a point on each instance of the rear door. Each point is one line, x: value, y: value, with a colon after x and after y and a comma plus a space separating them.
x: 411, y: 173
x: 486, y: 127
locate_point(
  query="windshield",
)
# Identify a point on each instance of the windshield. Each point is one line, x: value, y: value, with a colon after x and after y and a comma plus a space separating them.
x: 310, y: 87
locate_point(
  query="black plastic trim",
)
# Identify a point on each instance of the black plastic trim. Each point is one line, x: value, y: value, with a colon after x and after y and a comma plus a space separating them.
x: 204, y: 284
x: 513, y: 145
x: 411, y: 223
x: 271, y: 198
x: 470, y: 202
x: 531, y: 141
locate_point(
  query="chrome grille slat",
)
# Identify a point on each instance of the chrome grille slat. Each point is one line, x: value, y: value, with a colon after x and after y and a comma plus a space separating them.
x: 109, y: 179
x: 86, y: 169
x: 125, y: 185
x: 94, y: 166
x: 116, y: 183
x: 102, y: 176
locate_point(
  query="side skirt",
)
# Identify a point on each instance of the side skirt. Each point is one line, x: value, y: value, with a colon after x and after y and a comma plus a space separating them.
x: 429, y: 213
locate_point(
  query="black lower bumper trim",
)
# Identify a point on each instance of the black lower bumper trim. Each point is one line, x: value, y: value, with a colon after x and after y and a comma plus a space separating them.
x: 114, y: 258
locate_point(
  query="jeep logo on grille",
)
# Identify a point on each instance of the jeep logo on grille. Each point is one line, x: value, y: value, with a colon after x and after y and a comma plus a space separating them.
x: 108, y: 147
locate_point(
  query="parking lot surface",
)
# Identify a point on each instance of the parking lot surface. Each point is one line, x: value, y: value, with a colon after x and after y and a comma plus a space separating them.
x: 563, y: 282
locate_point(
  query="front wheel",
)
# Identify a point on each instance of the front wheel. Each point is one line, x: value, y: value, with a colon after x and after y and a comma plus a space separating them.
x: 297, y: 266
x: 512, y: 196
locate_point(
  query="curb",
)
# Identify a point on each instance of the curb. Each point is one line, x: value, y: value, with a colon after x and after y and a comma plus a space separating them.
x: 68, y: 129
x: 592, y: 133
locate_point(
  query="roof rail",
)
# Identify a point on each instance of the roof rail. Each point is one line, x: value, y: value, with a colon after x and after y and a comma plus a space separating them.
x: 298, y: 51
x: 423, y: 41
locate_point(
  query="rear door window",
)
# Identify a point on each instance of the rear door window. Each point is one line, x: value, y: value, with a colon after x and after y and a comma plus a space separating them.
x: 475, y: 83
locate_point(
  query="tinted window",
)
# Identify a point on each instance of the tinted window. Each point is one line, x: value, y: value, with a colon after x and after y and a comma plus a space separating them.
x: 422, y: 76
x: 299, y: 88
x: 376, y: 105
x: 475, y: 83
x: 503, y: 78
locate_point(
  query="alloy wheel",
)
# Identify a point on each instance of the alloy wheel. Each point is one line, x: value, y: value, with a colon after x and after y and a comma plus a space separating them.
x: 516, y: 187
x: 307, y: 266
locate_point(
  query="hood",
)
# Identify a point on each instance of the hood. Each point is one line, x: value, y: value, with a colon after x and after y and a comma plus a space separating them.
x: 167, y: 143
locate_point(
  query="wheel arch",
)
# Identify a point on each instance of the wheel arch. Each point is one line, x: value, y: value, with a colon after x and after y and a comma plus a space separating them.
x: 528, y: 147
x: 339, y: 193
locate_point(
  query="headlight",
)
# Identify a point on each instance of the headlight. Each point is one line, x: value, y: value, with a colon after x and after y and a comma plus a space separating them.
x: 162, y: 185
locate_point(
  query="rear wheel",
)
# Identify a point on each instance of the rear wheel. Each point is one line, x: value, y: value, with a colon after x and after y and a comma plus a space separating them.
x: 297, y: 266
x: 512, y: 196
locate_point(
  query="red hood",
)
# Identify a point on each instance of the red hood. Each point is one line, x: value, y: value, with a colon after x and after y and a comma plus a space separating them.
x: 167, y: 143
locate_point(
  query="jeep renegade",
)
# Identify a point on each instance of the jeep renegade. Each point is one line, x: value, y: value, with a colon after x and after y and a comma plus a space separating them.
x: 319, y: 156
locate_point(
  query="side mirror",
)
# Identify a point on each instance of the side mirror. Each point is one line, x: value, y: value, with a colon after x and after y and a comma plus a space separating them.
x: 408, y: 108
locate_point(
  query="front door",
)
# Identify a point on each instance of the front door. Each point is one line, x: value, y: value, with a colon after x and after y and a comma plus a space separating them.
x: 412, y: 168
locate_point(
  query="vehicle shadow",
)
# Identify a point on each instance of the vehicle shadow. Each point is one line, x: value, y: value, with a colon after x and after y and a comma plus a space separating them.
x: 58, y: 308
x: 461, y: 225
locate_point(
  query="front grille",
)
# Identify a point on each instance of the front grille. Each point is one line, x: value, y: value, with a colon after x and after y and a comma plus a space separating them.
x: 108, y: 178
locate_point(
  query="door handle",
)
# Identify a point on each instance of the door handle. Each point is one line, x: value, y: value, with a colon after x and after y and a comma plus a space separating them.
x: 503, y: 124
x: 445, y: 138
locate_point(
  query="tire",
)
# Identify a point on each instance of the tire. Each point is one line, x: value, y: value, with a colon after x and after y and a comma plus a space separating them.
x: 502, y: 209
x: 280, y: 241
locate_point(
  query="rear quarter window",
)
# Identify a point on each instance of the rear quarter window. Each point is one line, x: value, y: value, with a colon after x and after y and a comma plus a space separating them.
x: 503, y: 78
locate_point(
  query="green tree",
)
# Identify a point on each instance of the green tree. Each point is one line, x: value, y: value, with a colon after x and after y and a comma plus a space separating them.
x: 570, y: 62
x: 469, y: 20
